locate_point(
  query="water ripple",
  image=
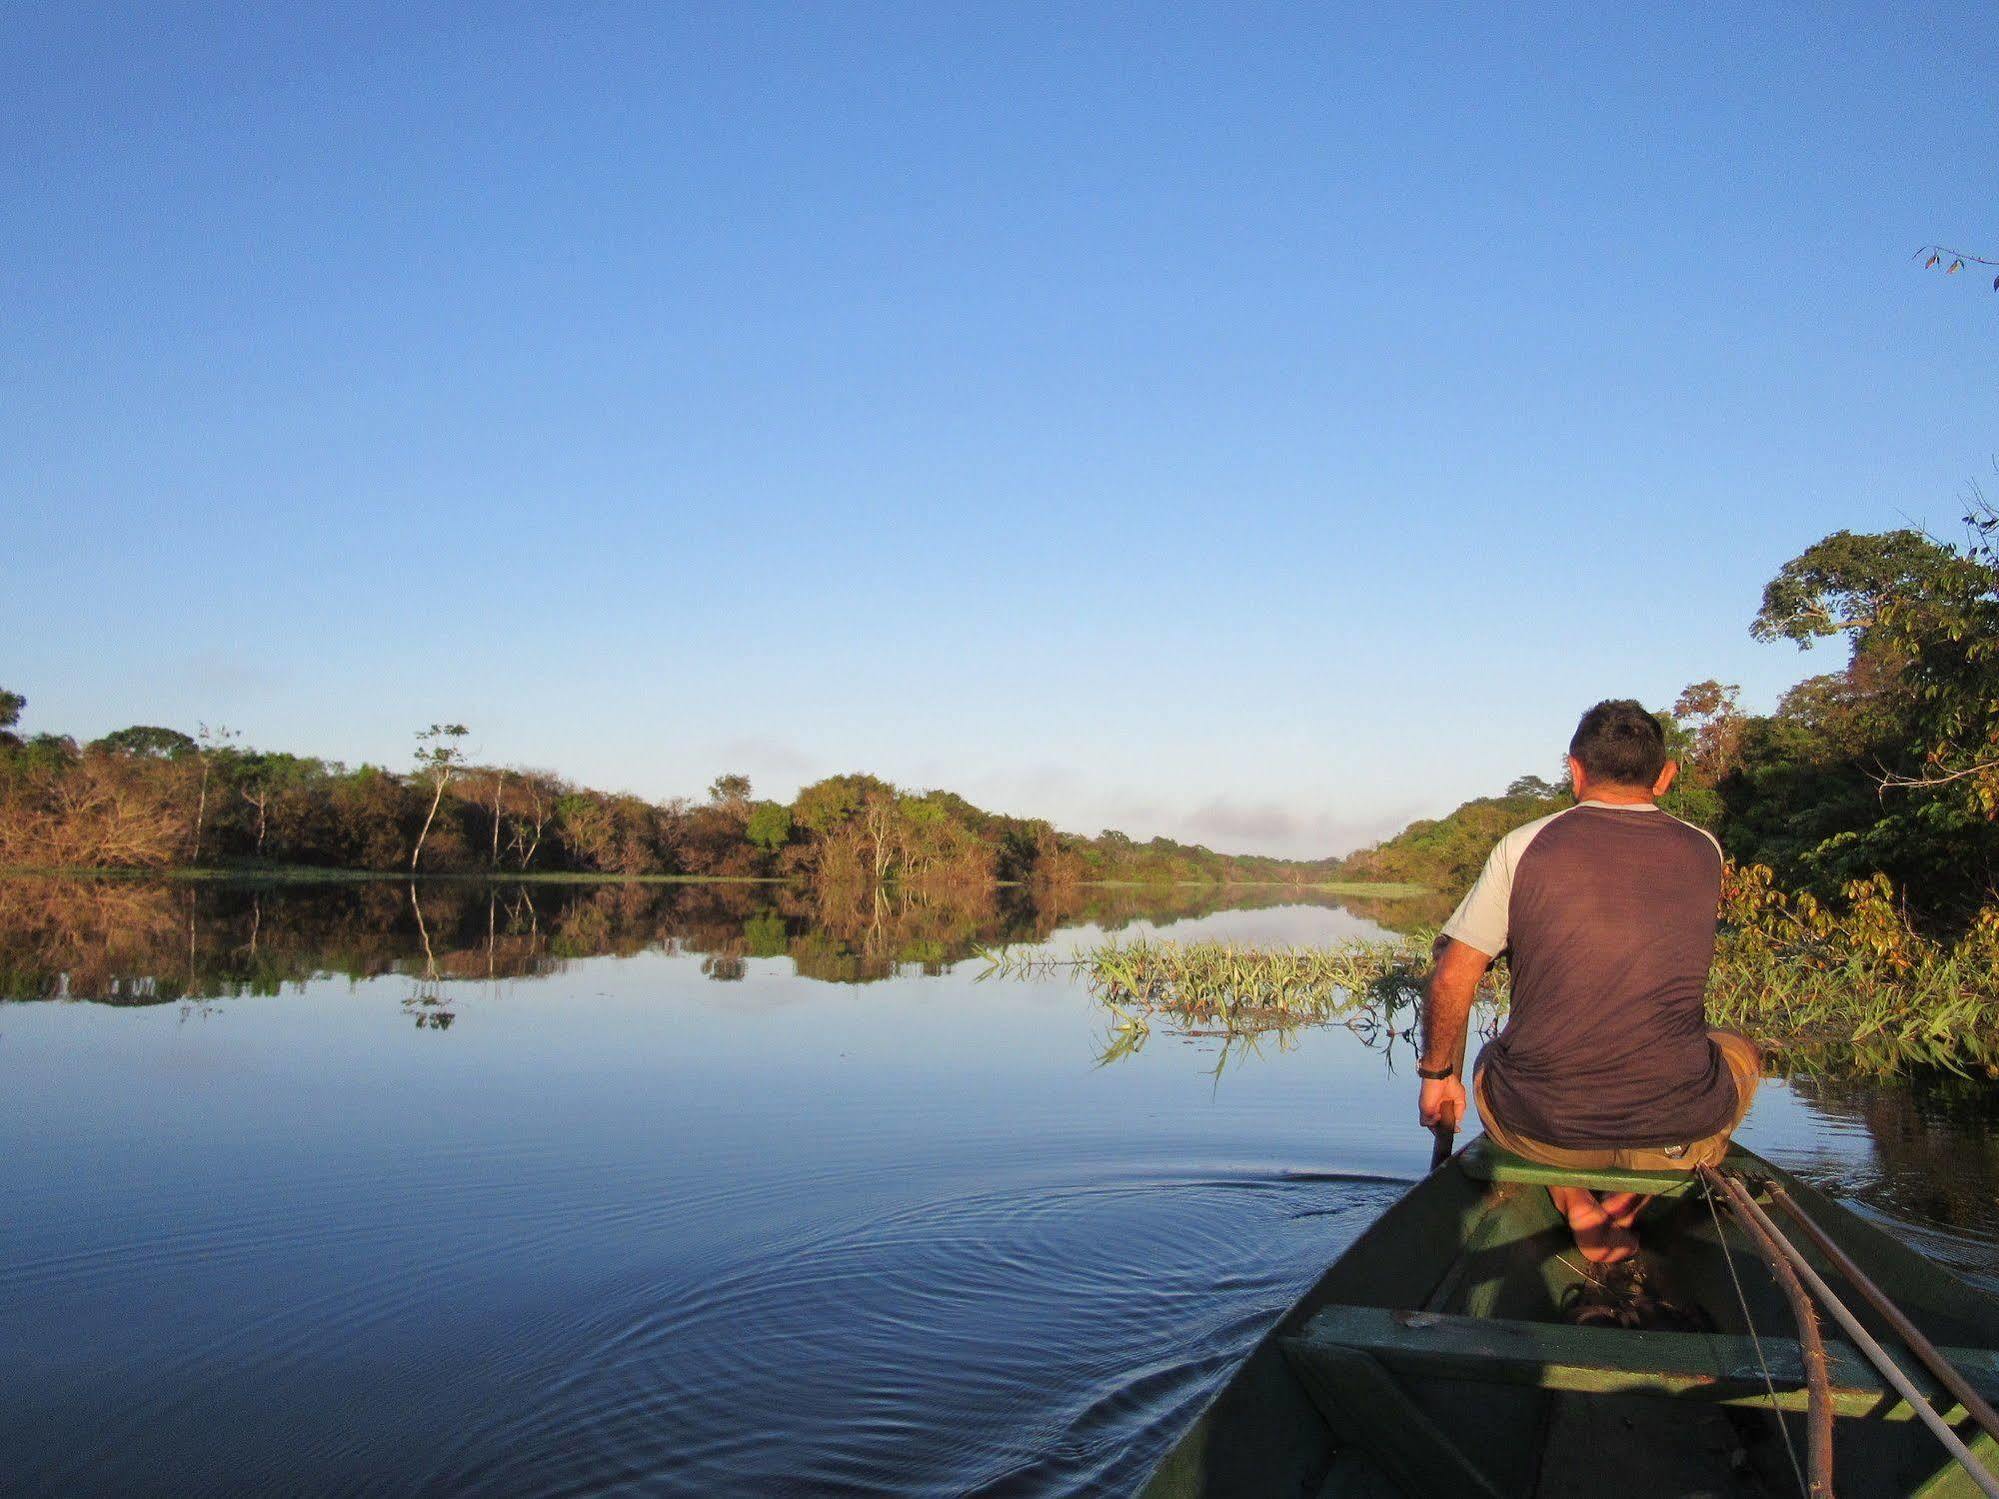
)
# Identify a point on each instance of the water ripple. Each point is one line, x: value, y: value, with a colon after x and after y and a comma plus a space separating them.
x: 1004, y: 1341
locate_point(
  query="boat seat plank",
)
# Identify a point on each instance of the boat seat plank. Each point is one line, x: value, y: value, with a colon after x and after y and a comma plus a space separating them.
x: 1713, y: 1367
x: 1484, y: 1161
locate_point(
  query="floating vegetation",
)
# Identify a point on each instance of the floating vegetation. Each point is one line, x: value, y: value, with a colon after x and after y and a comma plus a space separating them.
x: 1241, y: 988
x: 1841, y: 989
x: 1246, y: 996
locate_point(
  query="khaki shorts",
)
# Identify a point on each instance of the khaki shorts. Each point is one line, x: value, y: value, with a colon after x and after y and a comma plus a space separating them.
x: 1745, y: 1065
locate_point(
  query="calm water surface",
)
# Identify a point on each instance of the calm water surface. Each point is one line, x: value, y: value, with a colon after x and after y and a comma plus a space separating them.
x: 579, y: 1191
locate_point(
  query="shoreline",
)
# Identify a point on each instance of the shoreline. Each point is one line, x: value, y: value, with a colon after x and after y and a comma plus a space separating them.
x: 309, y: 874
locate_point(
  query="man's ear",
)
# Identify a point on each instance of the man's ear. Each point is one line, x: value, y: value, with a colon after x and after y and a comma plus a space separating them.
x: 1665, y: 780
x: 1577, y: 776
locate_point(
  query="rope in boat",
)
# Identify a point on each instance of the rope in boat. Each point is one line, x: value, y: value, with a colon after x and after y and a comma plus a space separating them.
x: 1746, y: 1209
x: 1755, y: 1341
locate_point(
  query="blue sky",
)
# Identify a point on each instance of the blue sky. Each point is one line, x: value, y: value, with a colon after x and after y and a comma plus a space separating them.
x: 1256, y: 425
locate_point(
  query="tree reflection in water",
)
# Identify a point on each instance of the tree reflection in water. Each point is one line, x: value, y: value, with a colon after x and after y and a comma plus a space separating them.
x: 143, y: 942
x: 140, y: 942
x: 1936, y: 1145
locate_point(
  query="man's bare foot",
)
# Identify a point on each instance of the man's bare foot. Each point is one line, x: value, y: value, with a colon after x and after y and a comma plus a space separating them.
x: 1601, y: 1241
x: 1623, y: 1208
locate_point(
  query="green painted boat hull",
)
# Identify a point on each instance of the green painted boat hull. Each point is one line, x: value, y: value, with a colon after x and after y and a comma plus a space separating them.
x: 1433, y: 1357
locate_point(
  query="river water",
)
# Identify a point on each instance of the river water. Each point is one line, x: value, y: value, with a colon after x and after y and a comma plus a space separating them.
x: 583, y: 1189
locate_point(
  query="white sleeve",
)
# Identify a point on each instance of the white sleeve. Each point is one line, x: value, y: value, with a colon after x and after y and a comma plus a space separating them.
x: 1482, y: 917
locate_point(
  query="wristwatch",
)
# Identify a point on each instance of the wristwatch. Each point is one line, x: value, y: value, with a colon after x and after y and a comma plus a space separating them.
x: 1435, y: 1074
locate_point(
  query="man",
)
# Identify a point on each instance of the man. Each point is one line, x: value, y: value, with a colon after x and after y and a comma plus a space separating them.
x: 1607, y: 911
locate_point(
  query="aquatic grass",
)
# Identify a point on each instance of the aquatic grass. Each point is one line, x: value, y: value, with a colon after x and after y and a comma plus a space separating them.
x: 1847, y: 988
x: 1940, y: 1009
x: 1224, y: 980
x: 1239, y: 993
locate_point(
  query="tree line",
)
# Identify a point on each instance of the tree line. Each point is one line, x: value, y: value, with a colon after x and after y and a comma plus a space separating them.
x: 148, y: 797
x: 1881, y: 775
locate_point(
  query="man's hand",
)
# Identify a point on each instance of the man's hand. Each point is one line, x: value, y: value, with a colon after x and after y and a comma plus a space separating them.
x: 1441, y: 1102
x: 1446, y: 1014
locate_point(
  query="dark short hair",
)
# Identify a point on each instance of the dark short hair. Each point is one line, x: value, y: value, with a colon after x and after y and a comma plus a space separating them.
x: 1619, y: 742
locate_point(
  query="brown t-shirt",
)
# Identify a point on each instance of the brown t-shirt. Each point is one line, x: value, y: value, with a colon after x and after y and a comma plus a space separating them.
x: 1609, y: 914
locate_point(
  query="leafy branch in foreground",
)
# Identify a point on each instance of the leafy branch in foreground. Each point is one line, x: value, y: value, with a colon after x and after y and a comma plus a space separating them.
x: 1854, y: 978
x: 1932, y: 256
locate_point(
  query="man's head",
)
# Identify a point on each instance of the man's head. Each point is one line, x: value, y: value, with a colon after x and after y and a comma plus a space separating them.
x: 1619, y: 754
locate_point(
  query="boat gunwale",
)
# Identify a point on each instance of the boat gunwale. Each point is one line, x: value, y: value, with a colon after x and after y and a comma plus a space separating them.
x: 1469, y: 1184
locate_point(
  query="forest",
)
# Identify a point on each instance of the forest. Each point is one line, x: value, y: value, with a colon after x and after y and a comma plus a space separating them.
x: 1872, y: 786
x: 1875, y: 782
x: 154, y: 798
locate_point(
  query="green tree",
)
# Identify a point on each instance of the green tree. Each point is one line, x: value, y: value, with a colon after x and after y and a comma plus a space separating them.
x: 769, y: 826
x: 1924, y: 616
x: 828, y: 804
x: 148, y: 740
x: 1446, y: 853
x: 264, y: 776
x: 1847, y: 582
x: 11, y: 704
x: 1892, y: 765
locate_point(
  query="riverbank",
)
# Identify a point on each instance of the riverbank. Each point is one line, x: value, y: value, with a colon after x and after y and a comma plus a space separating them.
x: 155, y: 798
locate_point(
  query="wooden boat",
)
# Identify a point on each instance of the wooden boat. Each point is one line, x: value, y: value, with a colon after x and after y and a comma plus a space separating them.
x: 1439, y: 1356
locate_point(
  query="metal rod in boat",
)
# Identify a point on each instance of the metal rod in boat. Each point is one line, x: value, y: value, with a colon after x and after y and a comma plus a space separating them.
x: 1811, y: 1347
x: 1947, y: 1374
x: 1863, y: 1340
